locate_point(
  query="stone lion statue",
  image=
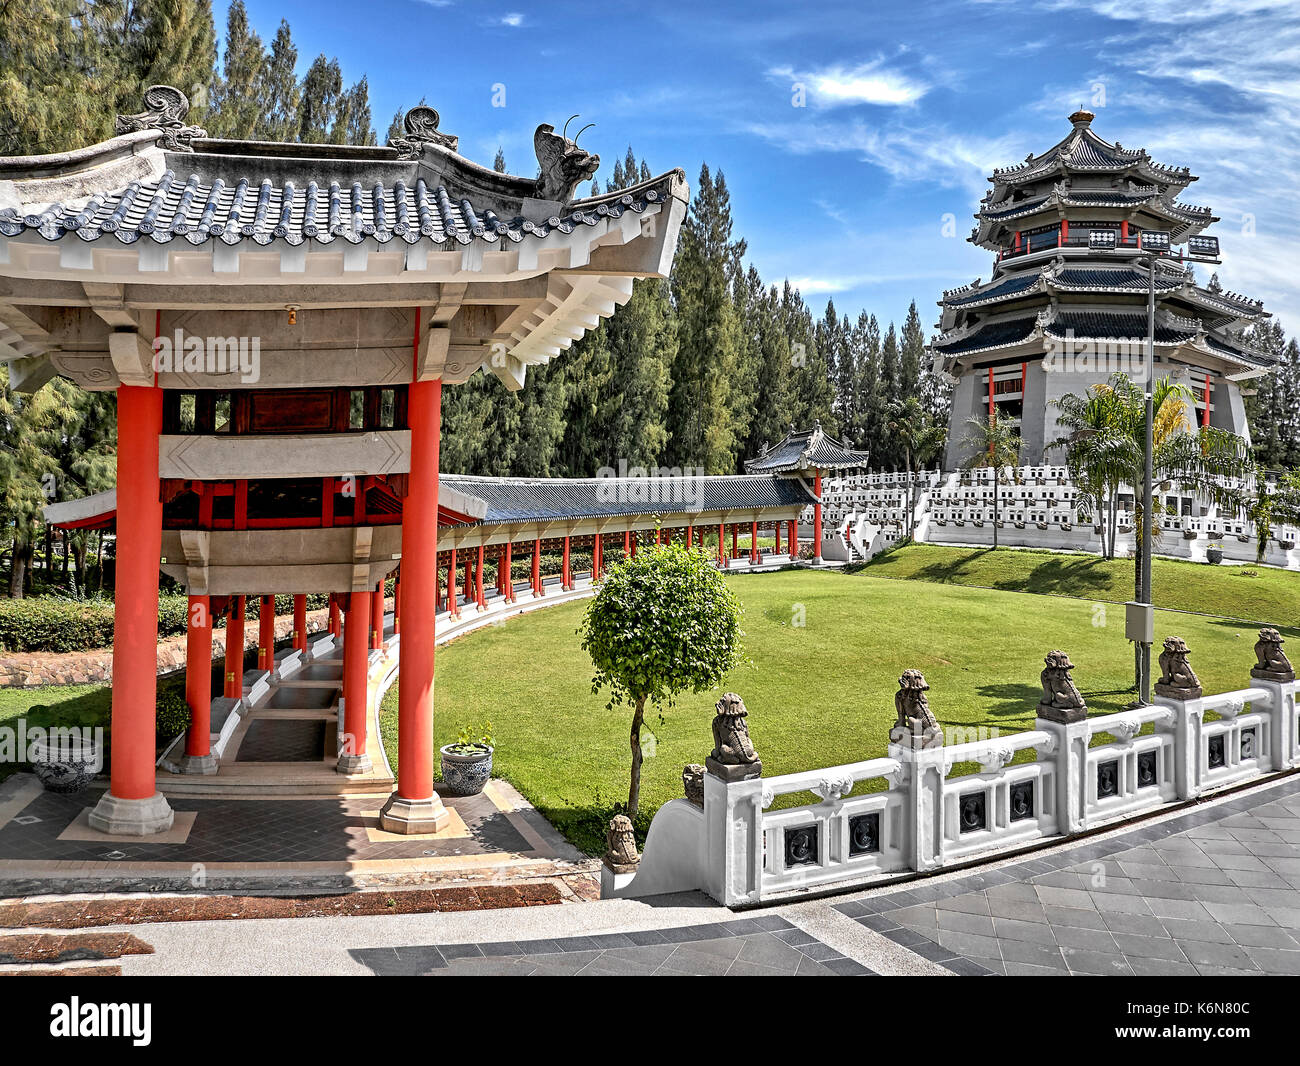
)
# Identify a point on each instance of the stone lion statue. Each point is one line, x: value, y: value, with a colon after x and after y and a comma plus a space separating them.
x: 731, y: 743
x: 620, y: 845
x: 1273, y: 664
x: 916, y: 725
x: 693, y: 783
x: 1061, y: 701
x: 1177, y: 678
x: 564, y: 165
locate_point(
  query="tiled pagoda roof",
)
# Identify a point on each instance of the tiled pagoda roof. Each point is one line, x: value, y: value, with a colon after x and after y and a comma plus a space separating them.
x: 806, y: 451
x: 546, y: 499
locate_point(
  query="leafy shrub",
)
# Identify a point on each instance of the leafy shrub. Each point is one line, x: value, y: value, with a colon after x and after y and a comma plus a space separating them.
x: 173, y: 712
x: 46, y: 623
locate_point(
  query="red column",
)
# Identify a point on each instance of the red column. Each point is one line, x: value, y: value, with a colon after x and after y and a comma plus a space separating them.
x: 356, y: 664
x: 792, y: 535
x: 235, y: 649
x: 414, y: 807
x: 817, y: 520
x: 627, y: 543
x: 753, y: 543
x: 1205, y: 415
x: 397, y: 603
x: 723, y: 560
x: 198, y: 688
x: 478, y: 587
x: 300, y: 622
x: 377, y: 616
x: 510, y: 577
x: 537, y: 568
x: 265, y: 633
x: 336, y: 627
x: 735, y: 529
x: 468, y: 586
x: 135, y: 620
x: 566, y: 576
x: 453, y: 608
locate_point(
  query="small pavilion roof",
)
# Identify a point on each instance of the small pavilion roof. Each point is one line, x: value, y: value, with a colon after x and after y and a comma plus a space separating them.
x: 511, y: 500
x: 804, y: 452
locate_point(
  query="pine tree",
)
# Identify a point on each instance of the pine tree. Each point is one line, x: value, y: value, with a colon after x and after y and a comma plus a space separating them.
x: 499, y: 163
x: 911, y: 353
x: 318, y: 105
x: 279, y: 93
x: 352, y: 118
x: 167, y: 42
x: 235, y: 105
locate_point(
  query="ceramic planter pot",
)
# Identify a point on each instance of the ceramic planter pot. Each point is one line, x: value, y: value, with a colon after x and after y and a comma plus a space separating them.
x: 466, y: 769
x: 1214, y: 555
x: 65, y: 764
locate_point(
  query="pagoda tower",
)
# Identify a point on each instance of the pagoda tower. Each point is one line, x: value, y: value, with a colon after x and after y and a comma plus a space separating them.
x: 1064, y: 310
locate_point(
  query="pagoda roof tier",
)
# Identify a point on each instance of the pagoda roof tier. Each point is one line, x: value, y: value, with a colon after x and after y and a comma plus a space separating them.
x: 1082, y: 151
x: 532, y: 500
x: 805, y: 452
x: 1038, y: 333
x: 995, y: 219
x: 1062, y: 276
x: 509, y: 270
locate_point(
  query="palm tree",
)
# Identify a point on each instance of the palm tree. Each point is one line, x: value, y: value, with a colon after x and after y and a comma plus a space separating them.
x: 921, y: 437
x: 1098, y: 452
x: 997, y: 445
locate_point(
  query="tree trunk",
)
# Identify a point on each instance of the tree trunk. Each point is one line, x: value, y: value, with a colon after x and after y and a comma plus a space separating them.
x: 996, y: 479
x: 22, y: 555
x: 634, y: 789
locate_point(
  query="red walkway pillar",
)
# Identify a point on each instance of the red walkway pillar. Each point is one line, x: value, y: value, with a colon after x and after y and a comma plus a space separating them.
x: 479, y: 598
x: 510, y: 576
x: 198, y: 758
x: 356, y: 664
x: 336, y: 626
x: 753, y: 543
x: 735, y: 531
x: 377, y: 616
x: 235, y: 649
x: 415, y: 807
x: 537, y: 569
x: 397, y: 603
x: 265, y: 633
x: 817, y: 520
x: 453, y: 608
x: 723, y: 559
x: 300, y: 622
x: 627, y: 543
x: 566, y: 575
x: 133, y: 804
x: 792, y: 535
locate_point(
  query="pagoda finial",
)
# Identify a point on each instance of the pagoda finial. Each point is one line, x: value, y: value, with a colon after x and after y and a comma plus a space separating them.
x: 1082, y: 119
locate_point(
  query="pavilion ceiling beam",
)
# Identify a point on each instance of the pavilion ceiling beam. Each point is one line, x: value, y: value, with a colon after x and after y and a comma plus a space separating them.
x: 132, y: 358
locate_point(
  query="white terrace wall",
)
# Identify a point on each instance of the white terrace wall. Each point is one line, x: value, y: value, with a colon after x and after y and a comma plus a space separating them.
x: 741, y: 852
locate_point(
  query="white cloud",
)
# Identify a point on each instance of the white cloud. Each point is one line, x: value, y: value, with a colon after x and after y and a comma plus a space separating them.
x: 869, y: 83
x: 514, y: 20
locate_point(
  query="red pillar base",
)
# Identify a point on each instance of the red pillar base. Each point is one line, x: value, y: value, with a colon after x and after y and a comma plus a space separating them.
x: 410, y: 816
x: 132, y: 817
x: 198, y: 764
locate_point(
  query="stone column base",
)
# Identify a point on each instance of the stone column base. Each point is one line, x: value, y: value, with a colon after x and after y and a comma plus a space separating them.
x: 354, y: 764
x: 198, y: 764
x: 401, y: 815
x: 132, y: 817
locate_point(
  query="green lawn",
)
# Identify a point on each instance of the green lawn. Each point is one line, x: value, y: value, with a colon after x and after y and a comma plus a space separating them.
x: 1261, y: 594
x: 818, y: 694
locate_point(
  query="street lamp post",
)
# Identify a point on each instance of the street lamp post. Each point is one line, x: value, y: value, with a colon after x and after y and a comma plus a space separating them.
x: 1140, y: 618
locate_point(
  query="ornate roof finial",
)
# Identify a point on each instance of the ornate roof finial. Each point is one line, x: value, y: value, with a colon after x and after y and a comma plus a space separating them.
x: 165, y: 109
x: 421, y: 125
x: 1081, y: 119
x: 564, y: 165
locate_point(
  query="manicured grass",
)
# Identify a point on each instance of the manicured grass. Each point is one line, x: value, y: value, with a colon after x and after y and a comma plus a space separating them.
x: 819, y: 693
x: 1256, y: 593
x: 66, y: 705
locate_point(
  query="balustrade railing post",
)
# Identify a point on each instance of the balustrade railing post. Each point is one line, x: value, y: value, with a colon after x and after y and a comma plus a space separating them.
x: 1179, y: 689
x: 916, y: 741
x: 733, y: 808
x: 1273, y: 672
x: 1063, y: 714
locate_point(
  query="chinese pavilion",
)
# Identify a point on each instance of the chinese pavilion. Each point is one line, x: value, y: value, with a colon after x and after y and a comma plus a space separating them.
x: 1062, y: 311
x: 807, y: 455
x: 278, y: 321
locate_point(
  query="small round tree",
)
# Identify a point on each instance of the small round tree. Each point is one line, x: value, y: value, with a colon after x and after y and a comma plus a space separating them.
x: 663, y: 623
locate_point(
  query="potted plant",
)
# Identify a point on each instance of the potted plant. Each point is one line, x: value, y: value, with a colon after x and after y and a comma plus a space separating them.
x: 467, y: 764
x: 1214, y: 553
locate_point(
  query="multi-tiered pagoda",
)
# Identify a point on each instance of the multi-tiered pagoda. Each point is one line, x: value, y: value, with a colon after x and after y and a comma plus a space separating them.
x: 1064, y: 309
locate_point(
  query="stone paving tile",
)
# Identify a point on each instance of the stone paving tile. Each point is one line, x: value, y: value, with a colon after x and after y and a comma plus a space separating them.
x: 1215, y: 891
x: 762, y: 946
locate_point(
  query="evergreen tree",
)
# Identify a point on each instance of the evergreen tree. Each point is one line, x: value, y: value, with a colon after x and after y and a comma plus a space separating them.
x: 352, y: 118
x: 279, y: 93
x: 318, y: 104
x: 911, y: 354
x: 235, y: 105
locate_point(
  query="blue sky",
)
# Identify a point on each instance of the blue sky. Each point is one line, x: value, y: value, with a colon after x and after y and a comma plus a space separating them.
x: 907, y: 107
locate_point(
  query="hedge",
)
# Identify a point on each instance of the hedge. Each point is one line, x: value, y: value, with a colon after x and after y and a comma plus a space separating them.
x: 48, y: 624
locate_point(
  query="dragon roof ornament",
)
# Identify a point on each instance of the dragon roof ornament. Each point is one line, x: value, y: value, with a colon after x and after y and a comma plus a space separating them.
x: 165, y: 108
